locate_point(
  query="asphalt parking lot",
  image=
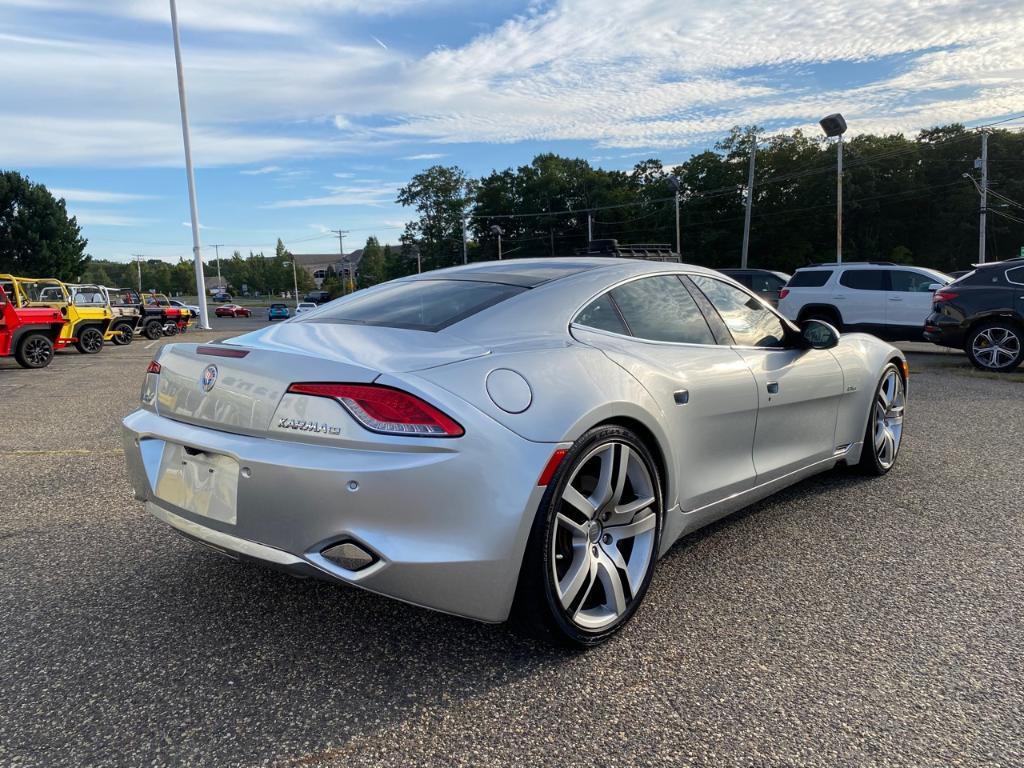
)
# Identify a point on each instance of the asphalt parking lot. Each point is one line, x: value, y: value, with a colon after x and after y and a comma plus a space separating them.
x: 843, y: 622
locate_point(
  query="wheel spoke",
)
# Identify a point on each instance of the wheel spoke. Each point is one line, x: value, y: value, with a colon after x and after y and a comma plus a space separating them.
x: 576, y: 529
x: 579, y: 502
x: 605, y: 488
x: 611, y: 580
x: 579, y: 572
x: 629, y: 509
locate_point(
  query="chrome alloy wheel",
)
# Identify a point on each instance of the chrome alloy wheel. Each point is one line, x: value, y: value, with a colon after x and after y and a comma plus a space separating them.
x: 890, y: 403
x: 995, y: 347
x: 603, y: 539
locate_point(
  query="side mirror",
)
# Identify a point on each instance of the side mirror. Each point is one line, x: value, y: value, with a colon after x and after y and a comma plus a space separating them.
x: 936, y: 287
x: 818, y: 334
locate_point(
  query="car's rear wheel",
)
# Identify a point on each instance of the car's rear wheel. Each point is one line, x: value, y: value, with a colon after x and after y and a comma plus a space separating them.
x: 90, y: 341
x: 153, y: 330
x: 997, y: 345
x: 826, y: 315
x: 35, y: 350
x: 885, y: 423
x: 171, y: 330
x: 123, y: 334
x: 594, y: 541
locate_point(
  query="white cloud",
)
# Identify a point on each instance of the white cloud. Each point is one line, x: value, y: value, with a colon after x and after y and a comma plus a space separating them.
x: 355, y: 194
x: 106, y: 219
x: 97, y: 196
x: 424, y: 156
x: 261, y: 171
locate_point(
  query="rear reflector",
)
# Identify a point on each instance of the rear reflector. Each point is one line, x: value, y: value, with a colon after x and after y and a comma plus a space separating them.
x: 945, y: 295
x: 783, y: 293
x: 221, y: 351
x: 154, y: 367
x: 552, y: 466
x: 386, y: 410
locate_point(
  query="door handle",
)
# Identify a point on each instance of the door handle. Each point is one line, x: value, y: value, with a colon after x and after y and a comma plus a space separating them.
x: 682, y: 397
x: 773, y: 387
x: 895, y: 298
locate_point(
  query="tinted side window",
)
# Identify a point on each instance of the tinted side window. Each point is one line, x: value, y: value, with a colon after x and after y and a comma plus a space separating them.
x: 602, y: 314
x: 1015, y: 275
x: 910, y: 282
x: 864, y: 279
x: 765, y: 283
x: 751, y: 323
x: 982, y: 277
x: 809, y: 278
x: 661, y: 309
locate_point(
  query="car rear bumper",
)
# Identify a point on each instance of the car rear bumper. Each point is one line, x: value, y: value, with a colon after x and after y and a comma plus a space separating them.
x: 944, y: 331
x: 447, y: 530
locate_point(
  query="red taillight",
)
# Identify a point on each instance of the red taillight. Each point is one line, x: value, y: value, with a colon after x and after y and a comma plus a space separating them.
x: 552, y: 466
x: 221, y: 351
x: 385, y: 409
x: 783, y: 293
x: 945, y: 295
x: 154, y: 367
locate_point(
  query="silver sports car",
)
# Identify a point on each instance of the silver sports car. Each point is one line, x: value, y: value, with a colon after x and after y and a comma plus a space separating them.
x: 518, y: 438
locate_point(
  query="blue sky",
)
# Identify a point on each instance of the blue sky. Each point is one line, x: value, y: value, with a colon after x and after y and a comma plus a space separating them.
x: 307, y: 115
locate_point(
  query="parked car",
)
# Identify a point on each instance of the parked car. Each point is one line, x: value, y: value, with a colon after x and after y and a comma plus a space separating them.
x: 766, y: 283
x: 888, y: 300
x: 317, y: 297
x: 518, y: 438
x: 278, y: 312
x: 223, y: 298
x: 304, y: 306
x: 29, y: 333
x: 232, y: 310
x: 193, y: 308
x: 983, y: 314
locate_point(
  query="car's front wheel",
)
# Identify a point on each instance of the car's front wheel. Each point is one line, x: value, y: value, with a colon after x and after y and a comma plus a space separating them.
x: 995, y: 346
x: 594, y: 541
x: 34, y: 350
x: 90, y: 341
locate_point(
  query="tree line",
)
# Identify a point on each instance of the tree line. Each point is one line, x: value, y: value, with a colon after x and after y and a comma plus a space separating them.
x: 904, y: 200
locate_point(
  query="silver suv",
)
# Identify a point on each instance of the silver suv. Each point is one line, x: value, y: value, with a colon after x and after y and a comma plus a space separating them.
x: 888, y: 300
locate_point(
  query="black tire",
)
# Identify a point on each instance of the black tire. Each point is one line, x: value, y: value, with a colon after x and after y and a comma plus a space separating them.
x: 171, y: 330
x: 830, y: 316
x: 995, y: 345
x: 871, y: 461
x: 35, y: 350
x: 124, y: 334
x: 153, y: 330
x: 90, y: 340
x: 539, y: 610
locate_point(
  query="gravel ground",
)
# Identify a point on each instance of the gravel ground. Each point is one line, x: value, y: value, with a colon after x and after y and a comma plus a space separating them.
x: 843, y: 622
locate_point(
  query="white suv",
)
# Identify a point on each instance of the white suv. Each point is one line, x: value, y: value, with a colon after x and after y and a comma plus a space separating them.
x: 888, y: 300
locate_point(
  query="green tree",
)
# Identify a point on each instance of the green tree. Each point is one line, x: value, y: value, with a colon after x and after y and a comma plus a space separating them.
x: 441, y: 196
x: 373, y: 266
x: 37, y: 237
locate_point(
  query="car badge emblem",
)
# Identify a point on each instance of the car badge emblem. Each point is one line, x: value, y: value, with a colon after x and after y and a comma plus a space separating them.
x: 209, y: 377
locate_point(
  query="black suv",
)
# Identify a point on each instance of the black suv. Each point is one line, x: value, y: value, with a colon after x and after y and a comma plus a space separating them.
x: 983, y: 313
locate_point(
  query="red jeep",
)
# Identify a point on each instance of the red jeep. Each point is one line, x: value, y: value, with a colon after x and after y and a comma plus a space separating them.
x: 29, y: 333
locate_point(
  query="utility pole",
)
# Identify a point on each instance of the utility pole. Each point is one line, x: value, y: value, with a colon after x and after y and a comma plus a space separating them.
x: 749, y: 206
x: 341, y: 251
x: 216, y: 247
x: 204, y: 316
x: 590, y: 228
x: 138, y: 263
x: 465, y: 256
x: 984, y: 196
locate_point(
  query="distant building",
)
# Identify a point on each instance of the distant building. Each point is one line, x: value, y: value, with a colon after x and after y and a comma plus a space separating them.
x: 319, y: 265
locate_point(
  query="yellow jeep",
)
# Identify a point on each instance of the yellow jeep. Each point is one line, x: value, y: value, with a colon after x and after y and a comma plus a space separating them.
x: 87, y: 315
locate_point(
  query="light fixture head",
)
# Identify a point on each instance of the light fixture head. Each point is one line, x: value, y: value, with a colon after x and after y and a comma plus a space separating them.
x: 833, y: 125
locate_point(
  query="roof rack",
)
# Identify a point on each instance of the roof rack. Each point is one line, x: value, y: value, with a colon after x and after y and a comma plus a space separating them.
x: 646, y: 251
x: 846, y: 263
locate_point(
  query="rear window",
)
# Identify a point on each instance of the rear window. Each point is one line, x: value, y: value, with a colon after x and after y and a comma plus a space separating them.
x: 419, y: 305
x: 811, y: 278
x: 278, y: 306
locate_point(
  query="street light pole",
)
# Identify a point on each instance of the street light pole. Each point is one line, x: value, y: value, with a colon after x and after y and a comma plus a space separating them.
x: 835, y: 125
x: 138, y: 263
x: 295, y: 281
x: 216, y: 247
x: 496, y: 230
x: 839, y: 200
x: 204, y: 316
x: 465, y: 255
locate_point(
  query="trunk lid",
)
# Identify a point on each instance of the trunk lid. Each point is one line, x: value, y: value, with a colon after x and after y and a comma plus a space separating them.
x: 237, y: 387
